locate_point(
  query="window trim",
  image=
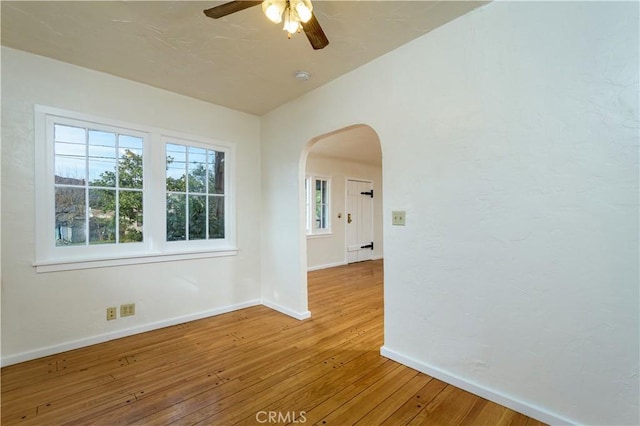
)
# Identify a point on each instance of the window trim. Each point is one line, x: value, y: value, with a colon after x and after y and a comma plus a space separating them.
x: 154, y: 247
x: 310, y: 203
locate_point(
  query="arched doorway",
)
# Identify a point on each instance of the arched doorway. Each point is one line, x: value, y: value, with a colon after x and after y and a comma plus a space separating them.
x: 334, y: 167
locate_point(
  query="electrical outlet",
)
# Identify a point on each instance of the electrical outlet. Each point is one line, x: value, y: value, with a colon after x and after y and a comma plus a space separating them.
x: 127, y: 310
x: 398, y: 218
x: 111, y: 313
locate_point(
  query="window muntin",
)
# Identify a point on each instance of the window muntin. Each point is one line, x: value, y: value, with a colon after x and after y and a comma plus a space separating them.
x: 98, y: 184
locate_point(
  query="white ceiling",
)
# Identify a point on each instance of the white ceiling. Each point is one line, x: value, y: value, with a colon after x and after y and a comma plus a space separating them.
x: 242, y: 61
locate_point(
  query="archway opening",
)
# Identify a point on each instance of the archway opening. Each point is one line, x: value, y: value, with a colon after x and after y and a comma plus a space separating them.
x: 341, y: 199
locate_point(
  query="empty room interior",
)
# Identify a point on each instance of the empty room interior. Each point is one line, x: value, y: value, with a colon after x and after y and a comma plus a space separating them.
x: 390, y: 212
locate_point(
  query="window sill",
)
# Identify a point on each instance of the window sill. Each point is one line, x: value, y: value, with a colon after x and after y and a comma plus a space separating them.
x: 322, y: 235
x: 63, y: 265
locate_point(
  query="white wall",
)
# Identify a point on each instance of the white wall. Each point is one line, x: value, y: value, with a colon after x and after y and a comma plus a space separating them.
x: 510, y: 137
x: 330, y: 250
x: 48, y: 312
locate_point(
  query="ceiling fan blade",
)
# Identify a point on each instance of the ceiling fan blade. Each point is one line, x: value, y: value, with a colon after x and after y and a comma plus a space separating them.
x: 314, y: 33
x: 229, y: 8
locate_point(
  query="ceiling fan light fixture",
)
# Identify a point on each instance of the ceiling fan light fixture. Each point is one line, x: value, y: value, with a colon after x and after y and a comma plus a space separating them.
x: 304, y: 9
x: 273, y: 10
x: 293, y: 12
x: 298, y: 16
x: 291, y: 21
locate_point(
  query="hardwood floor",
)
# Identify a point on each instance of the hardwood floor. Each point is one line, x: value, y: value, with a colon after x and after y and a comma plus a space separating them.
x: 253, y: 366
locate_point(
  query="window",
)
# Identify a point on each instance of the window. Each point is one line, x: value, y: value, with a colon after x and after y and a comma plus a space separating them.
x: 195, y: 193
x: 317, y: 205
x: 110, y: 193
x: 98, y: 184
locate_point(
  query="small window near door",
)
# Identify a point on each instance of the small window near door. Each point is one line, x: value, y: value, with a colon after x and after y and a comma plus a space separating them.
x: 317, y: 190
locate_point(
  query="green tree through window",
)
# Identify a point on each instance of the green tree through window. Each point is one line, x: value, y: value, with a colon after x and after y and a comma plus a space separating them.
x: 195, y: 193
x: 102, y: 201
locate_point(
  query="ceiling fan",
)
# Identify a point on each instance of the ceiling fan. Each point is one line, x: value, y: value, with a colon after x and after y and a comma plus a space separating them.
x: 297, y: 15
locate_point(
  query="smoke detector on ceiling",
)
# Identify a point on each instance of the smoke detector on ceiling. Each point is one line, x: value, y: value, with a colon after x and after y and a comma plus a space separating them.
x: 302, y: 75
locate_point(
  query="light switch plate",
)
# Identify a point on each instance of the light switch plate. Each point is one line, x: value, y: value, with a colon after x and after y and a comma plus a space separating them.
x: 398, y: 218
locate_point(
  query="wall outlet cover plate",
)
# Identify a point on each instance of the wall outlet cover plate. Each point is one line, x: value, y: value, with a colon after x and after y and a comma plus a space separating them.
x: 398, y: 218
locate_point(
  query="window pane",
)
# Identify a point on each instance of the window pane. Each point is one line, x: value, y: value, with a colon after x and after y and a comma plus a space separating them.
x: 216, y: 172
x: 70, y: 134
x: 70, y: 162
x: 197, y: 217
x: 102, y: 172
x: 102, y: 159
x: 319, y: 216
x: 216, y: 217
x: 70, y: 216
x: 130, y: 169
x: 323, y: 217
x: 131, y: 142
x: 197, y: 169
x: 102, y: 216
x: 103, y: 139
x: 324, y: 192
x: 176, y: 167
x: 72, y: 150
x: 176, y: 217
x: 70, y: 170
x: 130, y: 213
x: 321, y: 191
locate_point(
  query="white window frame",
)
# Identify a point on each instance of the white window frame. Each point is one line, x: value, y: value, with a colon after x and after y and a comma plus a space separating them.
x: 310, y: 201
x: 229, y: 190
x: 154, y: 247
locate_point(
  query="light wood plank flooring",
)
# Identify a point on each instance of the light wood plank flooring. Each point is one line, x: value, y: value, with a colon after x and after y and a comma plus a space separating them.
x: 253, y: 366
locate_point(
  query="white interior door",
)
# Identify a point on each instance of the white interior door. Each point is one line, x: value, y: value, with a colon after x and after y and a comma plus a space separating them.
x: 359, y: 221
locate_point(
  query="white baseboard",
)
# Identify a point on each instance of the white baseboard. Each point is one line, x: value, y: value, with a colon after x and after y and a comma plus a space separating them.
x: 75, y: 344
x: 328, y: 265
x: 497, y: 397
x: 287, y: 311
x: 333, y: 265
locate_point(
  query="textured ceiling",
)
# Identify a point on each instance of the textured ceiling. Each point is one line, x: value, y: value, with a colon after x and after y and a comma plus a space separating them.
x: 242, y: 61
